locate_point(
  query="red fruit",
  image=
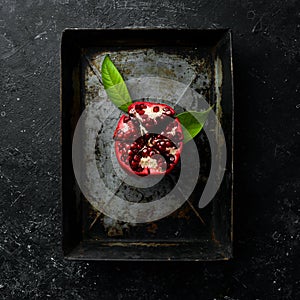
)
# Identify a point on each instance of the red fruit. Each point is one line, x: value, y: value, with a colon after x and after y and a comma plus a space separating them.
x: 149, y: 141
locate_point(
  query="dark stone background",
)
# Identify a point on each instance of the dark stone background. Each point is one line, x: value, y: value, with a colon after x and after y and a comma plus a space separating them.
x: 267, y: 94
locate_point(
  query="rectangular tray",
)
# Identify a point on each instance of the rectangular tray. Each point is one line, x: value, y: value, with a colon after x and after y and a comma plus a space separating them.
x: 189, y: 233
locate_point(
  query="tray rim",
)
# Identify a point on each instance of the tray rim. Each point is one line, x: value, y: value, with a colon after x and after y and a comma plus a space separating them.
x: 223, y: 31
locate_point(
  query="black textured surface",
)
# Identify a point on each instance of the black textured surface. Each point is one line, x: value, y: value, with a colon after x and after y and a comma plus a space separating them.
x: 267, y: 234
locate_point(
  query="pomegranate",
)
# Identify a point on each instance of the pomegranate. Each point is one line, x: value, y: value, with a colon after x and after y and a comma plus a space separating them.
x: 149, y: 140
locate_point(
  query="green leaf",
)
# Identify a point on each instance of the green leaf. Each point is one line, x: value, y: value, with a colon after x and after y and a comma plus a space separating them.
x: 114, y: 85
x: 192, y: 123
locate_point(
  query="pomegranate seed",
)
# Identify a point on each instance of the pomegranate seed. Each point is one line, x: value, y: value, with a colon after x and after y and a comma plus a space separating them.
x: 156, y: 109
x: 145, y: 152
x: 171, y: 158
x: 134, y: 164
x: 141, y: 112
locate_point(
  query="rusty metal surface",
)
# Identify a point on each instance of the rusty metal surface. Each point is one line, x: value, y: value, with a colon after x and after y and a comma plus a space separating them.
x: 199, y: 66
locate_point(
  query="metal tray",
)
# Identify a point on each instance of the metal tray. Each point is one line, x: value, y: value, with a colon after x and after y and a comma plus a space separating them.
x: 200, y: 59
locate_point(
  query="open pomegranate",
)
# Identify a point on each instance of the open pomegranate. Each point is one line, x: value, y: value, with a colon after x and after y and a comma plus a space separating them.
x: 149, y: 140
